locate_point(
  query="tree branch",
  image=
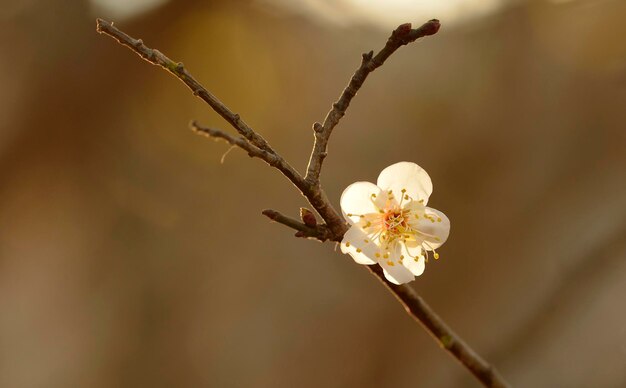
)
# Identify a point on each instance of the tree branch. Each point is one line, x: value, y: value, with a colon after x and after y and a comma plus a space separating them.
x: 178, y: 69
x: 417, y: 308
x: 314, y: 195
x: 399, y: 37
x: 253, y: 151
x: 335, y: 226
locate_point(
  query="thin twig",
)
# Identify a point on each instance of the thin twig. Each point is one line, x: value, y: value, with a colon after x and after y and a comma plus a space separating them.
x: 335, y: 226
x: 315, y: 196
x: 417, y: 308
x: 241, y: 142
x: 235, y: 141
x: 178, y: 69
x: 399, y: 37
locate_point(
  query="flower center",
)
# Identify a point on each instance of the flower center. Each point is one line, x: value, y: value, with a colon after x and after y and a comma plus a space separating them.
x: 395, y: 225
x: 393, y: 219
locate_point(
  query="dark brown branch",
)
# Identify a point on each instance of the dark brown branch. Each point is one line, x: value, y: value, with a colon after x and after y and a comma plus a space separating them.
x: 335, y: 227
x: 314, y: 194
x: 399, y: 37
x: 241, y: 142
x: 417, y: 308
x: 252, y: 150
x: 178, y: 69
x: 318, y: 232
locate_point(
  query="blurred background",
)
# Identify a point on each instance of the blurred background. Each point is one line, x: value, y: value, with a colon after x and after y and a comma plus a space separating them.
x: 131, y: 257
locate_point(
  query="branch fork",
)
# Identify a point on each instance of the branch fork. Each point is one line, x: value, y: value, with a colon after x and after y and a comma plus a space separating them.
x: 333, y: 226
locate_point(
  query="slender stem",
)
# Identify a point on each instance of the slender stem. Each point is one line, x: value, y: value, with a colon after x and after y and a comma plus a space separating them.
x: 253, y: 151
x: 417, y: 308
x: 314, y: 195
x: 402, y: 35
x: 178, y: 69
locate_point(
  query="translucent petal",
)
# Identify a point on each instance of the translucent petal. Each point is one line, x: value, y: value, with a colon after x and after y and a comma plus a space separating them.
x: 357, y: 200
x: 414, y: 248
x: 413, y: 260
x: 434, y: 227
x: 394, y: 271
x: 356, y: 243
x: 414, y: 206
x: 408, y: 176
x: 384, y: 200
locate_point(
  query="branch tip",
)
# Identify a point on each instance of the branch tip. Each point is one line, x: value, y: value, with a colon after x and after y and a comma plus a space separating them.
x: 177, y: 69
x: 431, y: 27
x: 100, y: 23
x: 269, y: 213
x: 401, y: 36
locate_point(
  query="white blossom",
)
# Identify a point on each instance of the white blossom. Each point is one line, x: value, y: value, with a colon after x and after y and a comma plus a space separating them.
x: 391, y: 224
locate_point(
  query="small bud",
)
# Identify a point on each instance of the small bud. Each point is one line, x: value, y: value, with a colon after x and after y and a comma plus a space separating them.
x: 432, y: 27
x: 308, y: 217
x: 403, y: 29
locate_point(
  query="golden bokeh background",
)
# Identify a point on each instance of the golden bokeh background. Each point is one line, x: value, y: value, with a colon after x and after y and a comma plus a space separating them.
x: 131, y: 257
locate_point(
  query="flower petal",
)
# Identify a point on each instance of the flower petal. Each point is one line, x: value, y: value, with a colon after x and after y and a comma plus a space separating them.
x: 356, y: 243
x: 394, y: 271
x: 413, y: 259
x: 357, y: 199
x: 434, y: 227
x: 408, y: 176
